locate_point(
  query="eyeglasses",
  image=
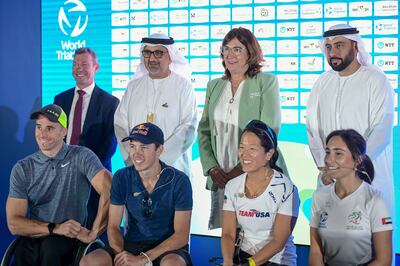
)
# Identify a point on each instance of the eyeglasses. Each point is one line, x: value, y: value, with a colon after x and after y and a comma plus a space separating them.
x: 156, y: 53
x: 261, y: 126
x: 225, y: 50
x: 147, y: 207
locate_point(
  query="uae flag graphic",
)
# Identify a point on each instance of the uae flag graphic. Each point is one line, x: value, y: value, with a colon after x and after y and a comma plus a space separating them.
x: 386, y: 220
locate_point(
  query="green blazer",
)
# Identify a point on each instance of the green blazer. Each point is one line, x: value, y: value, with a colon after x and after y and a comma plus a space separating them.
x: 259, y: 100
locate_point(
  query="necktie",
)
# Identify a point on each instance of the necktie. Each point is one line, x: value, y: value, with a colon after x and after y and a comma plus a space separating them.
x: 77, y: 123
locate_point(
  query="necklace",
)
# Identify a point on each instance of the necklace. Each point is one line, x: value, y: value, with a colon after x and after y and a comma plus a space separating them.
x: 234, y: 88
x: 260, y: 190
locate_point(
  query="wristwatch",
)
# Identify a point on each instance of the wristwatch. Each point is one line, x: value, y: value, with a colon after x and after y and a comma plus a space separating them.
x: 51, y: 227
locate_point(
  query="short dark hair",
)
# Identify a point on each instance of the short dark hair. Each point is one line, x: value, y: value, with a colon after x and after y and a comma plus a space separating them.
x: 357, y: 145
x: 87, y: 50
x: 247, y: 38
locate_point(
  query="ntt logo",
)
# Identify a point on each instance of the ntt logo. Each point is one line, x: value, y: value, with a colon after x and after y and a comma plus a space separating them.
x: 74, y: 22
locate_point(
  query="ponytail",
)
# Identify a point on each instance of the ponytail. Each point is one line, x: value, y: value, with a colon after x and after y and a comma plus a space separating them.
x: 365, y: 170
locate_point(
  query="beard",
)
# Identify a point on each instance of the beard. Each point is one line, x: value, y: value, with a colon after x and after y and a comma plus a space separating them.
x: 344, y: 62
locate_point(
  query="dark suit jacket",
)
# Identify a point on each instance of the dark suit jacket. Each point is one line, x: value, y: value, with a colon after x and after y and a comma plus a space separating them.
x: 98, y: 128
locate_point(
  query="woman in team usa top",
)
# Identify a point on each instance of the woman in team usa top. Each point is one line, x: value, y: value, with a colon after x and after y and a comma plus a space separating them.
x: 350, y: 224
x: 262, y: 202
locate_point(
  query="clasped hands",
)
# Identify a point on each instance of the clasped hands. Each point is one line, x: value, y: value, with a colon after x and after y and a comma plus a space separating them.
x: 126, y: 258
x: 220, y: 178
x: 74, y: 229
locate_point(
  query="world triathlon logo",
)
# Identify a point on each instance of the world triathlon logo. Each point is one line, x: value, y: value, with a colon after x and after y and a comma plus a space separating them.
x: 74, y: 22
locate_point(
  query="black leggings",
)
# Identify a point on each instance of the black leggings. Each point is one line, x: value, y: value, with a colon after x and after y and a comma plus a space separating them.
x: 51, y: 250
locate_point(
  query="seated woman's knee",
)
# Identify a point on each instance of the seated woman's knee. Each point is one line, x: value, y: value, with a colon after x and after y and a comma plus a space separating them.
x: 98, y: 257
x: 172, y: 260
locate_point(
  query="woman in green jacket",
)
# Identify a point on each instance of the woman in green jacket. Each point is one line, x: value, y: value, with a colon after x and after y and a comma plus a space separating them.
x: 242, y: 94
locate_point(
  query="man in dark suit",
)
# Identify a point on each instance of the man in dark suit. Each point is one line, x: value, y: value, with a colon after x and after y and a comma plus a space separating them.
x: 90, y: 112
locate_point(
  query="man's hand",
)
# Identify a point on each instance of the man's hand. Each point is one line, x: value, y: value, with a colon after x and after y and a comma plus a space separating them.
x: 126, y: 258
x: 326, y: 178
x: 219, y: 177
x: 69, y: 229
x: 86, y: 236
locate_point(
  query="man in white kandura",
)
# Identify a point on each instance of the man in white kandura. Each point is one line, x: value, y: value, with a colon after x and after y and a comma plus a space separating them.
x: 160, y: 92
x: 354, y: 94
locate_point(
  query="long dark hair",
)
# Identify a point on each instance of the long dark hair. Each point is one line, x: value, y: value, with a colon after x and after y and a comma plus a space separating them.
x: 253, y: 48
x: 267, y: 137
x: 357, y: 146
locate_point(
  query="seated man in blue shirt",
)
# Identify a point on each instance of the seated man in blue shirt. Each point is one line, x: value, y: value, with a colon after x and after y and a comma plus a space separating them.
x: 158, y: 199
x: 49, y: 190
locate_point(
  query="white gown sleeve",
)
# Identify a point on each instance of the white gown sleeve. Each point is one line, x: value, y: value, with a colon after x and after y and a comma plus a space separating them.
x: 315, y: 141
x: 121, y: 125
x: 184, y: 134
x: 379, y: 134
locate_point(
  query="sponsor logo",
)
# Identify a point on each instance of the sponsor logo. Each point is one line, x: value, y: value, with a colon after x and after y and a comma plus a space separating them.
x: 199, y: 48
x: 199, y: 32
x: 289, y: 98
x: 264, y: 13
x: 360, y: 9
x: 219, y: 32
x: 180, y: 33
x: 242, y: 13
x: 220, y: 14
x: 199, y: 64
x: 311, y: 11
x: 120, y: 50
x: 139, y: 18
x: 288, y: 81
x: 386, y: 63
x: 308, y: 80
x: 178, y: 16
x: 386, y: 8
x: 264, y: 30
x: 268, y: 47
x: 311, y: 29
x: 354, y: 220
x: 199, y: 15
x: 178, y: 3
x: 155, y: 3
x: 69, y: 26
x: 119, y: 81
x: 386, y: 26
x: 254, y: 213
x: 335, y: 10
x: 288, y: 11
x: 354, y: 217
x: 119, y: 5
x: 287, y: 64
x: 268, y: 64
x: 323, y: 218
x: 287, y: 46
x: 386, y: 45
x: 272, y: 196
x: 158, y: 17
x: 288, y: 29
x: 138, y: 4
x: 65, y: 164
x: 120, y: 19
x: 309, y: 47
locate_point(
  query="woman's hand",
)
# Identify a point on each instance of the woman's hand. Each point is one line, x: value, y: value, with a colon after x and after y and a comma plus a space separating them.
x: 219, y: 177
x: 235, y: 172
